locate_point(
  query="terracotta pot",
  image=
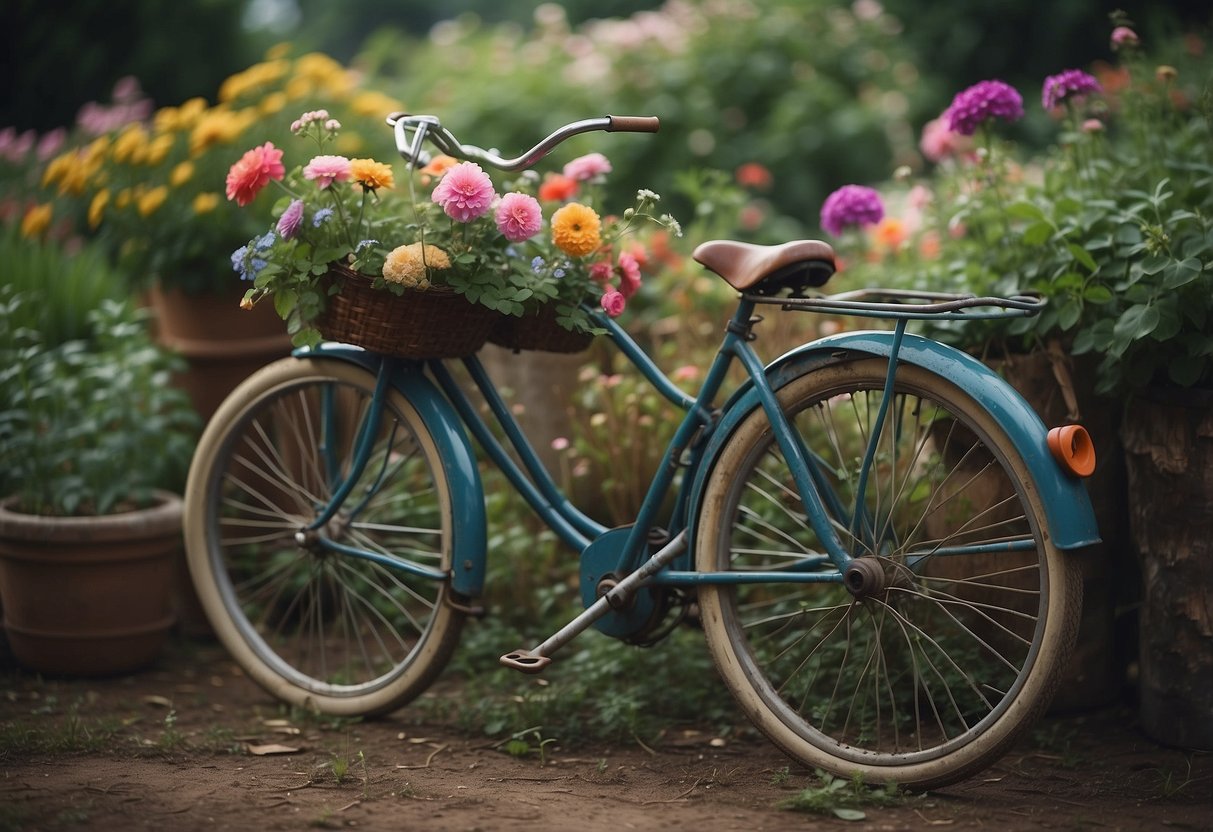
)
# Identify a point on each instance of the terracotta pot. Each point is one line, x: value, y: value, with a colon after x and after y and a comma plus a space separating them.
x: 89, y: 595
x: 222, y: 343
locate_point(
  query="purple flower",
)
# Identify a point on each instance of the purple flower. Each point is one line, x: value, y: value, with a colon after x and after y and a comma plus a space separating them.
x: 1073, y: 82
x: 291, y: 219
x: 851, y: 205
x: 983, y: 101
x: 1124, y: 38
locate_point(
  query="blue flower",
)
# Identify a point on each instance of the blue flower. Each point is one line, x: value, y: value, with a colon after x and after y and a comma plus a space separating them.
x: 238, y: 260
x: 365, y: 244
x: 263, y: 243
x: 537, y: 264
x: 559, y: 273
x: 321, y: 217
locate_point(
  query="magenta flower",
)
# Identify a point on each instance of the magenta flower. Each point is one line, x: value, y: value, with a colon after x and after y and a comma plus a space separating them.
x: 465, y: 192
x: 587, y: 167
x: 291, y: 219
x: 983, y: 101
x: 851, y: 205
x: 629, y: 274
x: 326, y: 170
x: 613, y: 302
x: 519, y: 217
x: 1065, y: 85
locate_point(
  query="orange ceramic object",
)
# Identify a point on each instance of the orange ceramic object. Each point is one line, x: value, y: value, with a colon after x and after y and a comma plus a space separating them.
x: 1071, y: 446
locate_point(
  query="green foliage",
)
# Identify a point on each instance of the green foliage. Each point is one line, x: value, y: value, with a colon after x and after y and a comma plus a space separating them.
x: 89, y: 427
x: 843, y: 798
x: 68, y: 285
x: 1113, y: 225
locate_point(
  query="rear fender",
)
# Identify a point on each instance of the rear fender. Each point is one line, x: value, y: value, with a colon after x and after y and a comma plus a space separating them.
x: 1068, y: 513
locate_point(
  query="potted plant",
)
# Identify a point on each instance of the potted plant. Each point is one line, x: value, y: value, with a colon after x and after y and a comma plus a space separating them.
x: 362, y: 255
x: 90, y: 433
x: 1114, y: 225
x: 148, y: 184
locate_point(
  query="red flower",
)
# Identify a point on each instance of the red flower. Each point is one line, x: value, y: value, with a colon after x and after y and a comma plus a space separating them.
x: 557, y: 188
x: 629, y: 275
x: 253, y: 172
x: 753, y: 175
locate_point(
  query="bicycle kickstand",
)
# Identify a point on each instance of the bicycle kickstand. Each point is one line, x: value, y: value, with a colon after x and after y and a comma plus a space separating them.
x: 534, y: 661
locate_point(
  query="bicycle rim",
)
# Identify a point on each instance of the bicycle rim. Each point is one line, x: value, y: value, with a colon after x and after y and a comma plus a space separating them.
x: 934, y: 673
x: 325, y: 629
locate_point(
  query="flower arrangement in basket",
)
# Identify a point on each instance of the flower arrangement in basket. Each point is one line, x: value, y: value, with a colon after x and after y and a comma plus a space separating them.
x: 360, y: 257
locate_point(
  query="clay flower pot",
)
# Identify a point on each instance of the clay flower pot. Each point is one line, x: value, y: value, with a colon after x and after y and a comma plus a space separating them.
x: 89, y: 595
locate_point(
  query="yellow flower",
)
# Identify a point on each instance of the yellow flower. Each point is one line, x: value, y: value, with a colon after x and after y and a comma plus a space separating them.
x: 123, y: 198
x: 275, y: 102
x: 217, y: 126
x: 57, y: 168
x: 407, y: 265
x: 151, y: 201
x: 96, y: 208
x: 130, y: 145
x: 204, y: 203
x: 182, y: 173
x: 191, y: 111
x: 575, y: 229
x: 297, y: 88
x: 371, y: 175
x: 348, y: 144
x: 36, y: 220
x: 252, y: 79
x: 374, y: 104
x: 277, y: 51
x: 158, y: 149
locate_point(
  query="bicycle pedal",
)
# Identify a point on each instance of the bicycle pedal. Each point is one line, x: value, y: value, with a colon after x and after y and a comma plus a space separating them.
x: 525, y: 661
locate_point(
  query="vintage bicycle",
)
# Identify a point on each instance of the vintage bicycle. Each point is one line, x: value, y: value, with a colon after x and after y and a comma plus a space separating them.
x: 872, y: 530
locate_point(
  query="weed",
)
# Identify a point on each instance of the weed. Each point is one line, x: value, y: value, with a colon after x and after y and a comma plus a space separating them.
x: 841, y: 797
x: 1169, y: 783
x: 171, y: 739
x: 526, y: 742
x: 780, y: 777
x: 73, y: 733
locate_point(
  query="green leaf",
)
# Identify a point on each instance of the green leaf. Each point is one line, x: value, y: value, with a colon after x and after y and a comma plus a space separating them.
x: 1037, y: 233
x: 1082, y: 256
x: 284, y: 302
x: 849, y: 814
x: 1181, y: 273
x: 1023, y: 210
x: 1138, y: 322
x: 1068, y: 314
x: 1153, y: 264
x: 1097, y: 294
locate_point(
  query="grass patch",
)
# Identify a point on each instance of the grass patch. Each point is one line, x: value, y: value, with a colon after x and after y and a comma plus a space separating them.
x: 843, y: 798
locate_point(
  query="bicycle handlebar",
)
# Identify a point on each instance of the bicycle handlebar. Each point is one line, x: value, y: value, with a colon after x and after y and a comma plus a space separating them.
x: 412, y: 131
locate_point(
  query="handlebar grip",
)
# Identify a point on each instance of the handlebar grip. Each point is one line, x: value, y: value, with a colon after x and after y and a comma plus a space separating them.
x: 633, y: 124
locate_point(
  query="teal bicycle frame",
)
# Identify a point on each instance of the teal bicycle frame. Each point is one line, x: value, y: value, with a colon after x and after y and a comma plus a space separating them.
x: 696, y: 442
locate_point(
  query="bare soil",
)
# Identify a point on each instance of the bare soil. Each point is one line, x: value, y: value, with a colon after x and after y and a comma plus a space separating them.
x: 191, y: 744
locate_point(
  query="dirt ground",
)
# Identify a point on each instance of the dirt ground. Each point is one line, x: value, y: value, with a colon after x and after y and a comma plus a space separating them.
x: 192, y: 745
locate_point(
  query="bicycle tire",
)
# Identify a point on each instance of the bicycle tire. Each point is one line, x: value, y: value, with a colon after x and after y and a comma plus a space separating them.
x: 932, y: 678
x: 321, y: 630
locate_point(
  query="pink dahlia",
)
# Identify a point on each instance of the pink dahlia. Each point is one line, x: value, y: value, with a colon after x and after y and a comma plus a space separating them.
x: 613, y: 302
x: 519, y: 217
x: 981, y: 102
x: 1124, y: 38
x: 253, y: 172
x: 851, y: 205
x: 326, y: 170
x: 587, y: 167
x: 1065, y: 85
x: 465, y: 192
x: 629, y: 274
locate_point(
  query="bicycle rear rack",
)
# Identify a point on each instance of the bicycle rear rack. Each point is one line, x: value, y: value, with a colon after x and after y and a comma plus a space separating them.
x: 910, y: 305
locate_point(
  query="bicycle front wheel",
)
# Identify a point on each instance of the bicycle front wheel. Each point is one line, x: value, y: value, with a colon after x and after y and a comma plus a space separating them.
x: 951, y: 638
x: 343, y: 631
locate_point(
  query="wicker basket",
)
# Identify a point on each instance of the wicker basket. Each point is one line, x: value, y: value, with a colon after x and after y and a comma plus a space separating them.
x: 538, y: 331
x: 431, y: 323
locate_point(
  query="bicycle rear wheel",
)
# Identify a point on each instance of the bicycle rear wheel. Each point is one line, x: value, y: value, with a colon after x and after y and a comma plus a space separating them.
x: 963, y: 612
x: 318, y: 628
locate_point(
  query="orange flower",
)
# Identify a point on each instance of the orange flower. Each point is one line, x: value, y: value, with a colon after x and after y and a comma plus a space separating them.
x: 753, y: 175
x: 557, y: 187
x: 439, y: 165
x: 575, y: 229
x: 890, y: 233
x: 371, y: 175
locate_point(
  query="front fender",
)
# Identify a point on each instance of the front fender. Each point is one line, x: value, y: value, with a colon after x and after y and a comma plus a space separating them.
x: 469, y: 536
x: 1068, y: 513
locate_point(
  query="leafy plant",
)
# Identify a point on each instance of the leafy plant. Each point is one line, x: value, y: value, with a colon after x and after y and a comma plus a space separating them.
x: 843, y: 798
x: 90, y: 427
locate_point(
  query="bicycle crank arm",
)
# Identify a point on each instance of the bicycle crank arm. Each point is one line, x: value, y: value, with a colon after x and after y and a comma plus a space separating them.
x: 534, y: 661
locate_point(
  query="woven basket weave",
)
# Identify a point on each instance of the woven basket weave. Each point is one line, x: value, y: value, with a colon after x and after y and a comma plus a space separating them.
x: 431, y: 323
x: 538, y: 331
